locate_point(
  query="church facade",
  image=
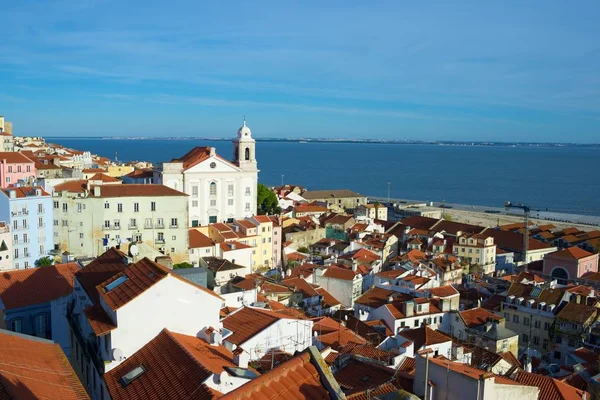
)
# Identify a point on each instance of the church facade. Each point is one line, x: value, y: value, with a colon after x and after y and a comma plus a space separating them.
x: 218, y: 190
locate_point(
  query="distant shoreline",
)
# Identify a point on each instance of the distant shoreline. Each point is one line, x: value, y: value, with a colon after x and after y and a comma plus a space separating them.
x: 345, y: 141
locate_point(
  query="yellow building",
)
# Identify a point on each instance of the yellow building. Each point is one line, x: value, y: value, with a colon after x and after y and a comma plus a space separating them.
x: 117, y: 171
x: 478, y: 249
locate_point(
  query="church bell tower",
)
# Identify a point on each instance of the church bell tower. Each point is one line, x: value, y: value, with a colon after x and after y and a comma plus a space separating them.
x: 244, y: 146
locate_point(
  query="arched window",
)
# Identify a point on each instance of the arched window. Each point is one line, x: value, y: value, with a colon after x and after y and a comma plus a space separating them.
x: 213, y: 189
x: 247, y: 154
x: 560, y: 274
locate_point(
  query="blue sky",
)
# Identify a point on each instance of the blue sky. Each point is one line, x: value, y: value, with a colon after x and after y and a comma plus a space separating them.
x: 447, y: 70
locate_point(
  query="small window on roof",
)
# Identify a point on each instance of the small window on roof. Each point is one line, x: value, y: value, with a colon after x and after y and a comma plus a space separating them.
x: 365, y: 378
x: 132, y: 375
x: 120, y: 280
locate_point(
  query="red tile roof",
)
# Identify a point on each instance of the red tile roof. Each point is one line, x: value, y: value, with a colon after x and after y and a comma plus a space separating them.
x: 13, y: 157
x: 137, y: 190
x: 296, y: 379
x: 76, y: 186
x: 442, y: 291
x: 103, y: 178
x: 196, y: 156
x: 340, y: 273
x: 198, y: 239
x: 33, y: 368
x: 27, y: 287
x: 302, y: 286
x: 574, y: 253
x: 550, y: 388
x: 304, y: 270
x: 22, y: 192
x: 176, y: 365
x: 247, y: 322
x: 360, y: 375
x: 424, y: 336
x: 373, y: 393
x: 477, y: 316
x: 99, y: 320
x: 328, y: 299
x: 580, y: 313
x: 105, y: 266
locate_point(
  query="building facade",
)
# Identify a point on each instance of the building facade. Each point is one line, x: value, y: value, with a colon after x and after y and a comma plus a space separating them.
x: 28, y: 211
x: 16, y: 168
x: 88, y: 219
x: 219, y: 190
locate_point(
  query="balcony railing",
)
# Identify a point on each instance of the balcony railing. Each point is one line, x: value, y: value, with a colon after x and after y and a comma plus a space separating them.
x: 159, y: 240
x: 160, y: 225
x: 132, y: 227
x: 174, y: 226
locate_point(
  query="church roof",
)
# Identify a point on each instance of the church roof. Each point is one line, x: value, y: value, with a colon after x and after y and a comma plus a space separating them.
x: 197, y: 155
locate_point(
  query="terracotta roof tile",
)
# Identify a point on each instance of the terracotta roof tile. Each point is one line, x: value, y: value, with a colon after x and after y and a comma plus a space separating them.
x: 358, y: 376
x: 137, y: 190
x: 477, y: 316
x: 550, y: 388
x: 99, y: 320
x: 328, y: 299
x: 74, y: 186
x: 575, y: 312
x: 340, y: 273
x: 198, y: 239
x: 103, y: 178
x: 296, y: 379
x: 424, y: 336
x: 373, y: 393
x: 247, y: 322
x: 34, y: 368
x: 105, y: 266
x: 442, y: 291
x: 13, y: 157
x: 175, y: 364
x: 24, y: 191
x: 27, y: 287
x: 574, y: 253
x: 196, y: 156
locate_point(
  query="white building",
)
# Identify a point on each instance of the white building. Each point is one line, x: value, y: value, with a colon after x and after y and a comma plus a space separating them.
x: 219, y: 190
x: 111, y: 298
x: 6, y: 252
x: 88, y: 219
x: 257, y: 331
x: 344, y: 284
x: 28, y: 211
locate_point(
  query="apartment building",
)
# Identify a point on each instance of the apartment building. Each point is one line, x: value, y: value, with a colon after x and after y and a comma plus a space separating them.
x: 28, y: 211
x: 88, y: 219
x: 5, y: 247
x: 479, y: 249
x: 16, y: 168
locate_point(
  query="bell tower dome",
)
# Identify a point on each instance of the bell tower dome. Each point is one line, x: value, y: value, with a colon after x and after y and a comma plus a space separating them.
x: 244, y: 146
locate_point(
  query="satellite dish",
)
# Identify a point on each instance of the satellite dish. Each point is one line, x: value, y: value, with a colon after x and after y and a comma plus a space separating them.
x: 134, y: 250
x: 224, y: 378
x: 117, y: 354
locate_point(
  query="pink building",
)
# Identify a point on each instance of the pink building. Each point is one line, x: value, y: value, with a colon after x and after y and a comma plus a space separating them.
x: 570, y: 263
x: 15, y: 167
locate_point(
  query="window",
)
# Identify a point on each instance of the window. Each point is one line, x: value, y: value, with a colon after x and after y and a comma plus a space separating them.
x: 247, y: 190
x: 81, y: 236
x: 24, y: 224
x: 25, y: 238
x: 119, y: 207
x: 56, y: 205
x: 546, y: 326
x: 153, y: 206
x: 213, y: 189
x: 229, y: 202
x: 545, y: 343
x: 117, y: 224
x: 161, y: 237
x: 194, y: 190
x: 15, y: 239
x: 16, y: 325
x: 16, y: 253
x: 174, y: 222
x: 107, y: 224
x: 173, y: 238
x: 107, y: 205
x: 160, y: 223
x: 230, y: 190
x: 40, y: 208
x: 19, y: 168
x: 136, y: 207
x: 536, y: 340
x: 507, y: 316
x: 148, y: 223
x: 525, y: 338
x: 65, y: 207
x: 117, y: 282
x: 26, y: 264
x: 212, y: 219
x: 516, y: 319
x: 132, y: 223
x: 526, y: 321
x: 132, y: 375
x: 40, y: 222
x: 137, y: 237
x: 10, y: 168
x: 194, y: 203
x: 195, y: 223
x: 15, y: 224
x: 536, y: 324
x: 79, y: 207
x: 416, y: 323
x: 247, y: 206
x: 213, y: 203
x: 41, y: 326
x: 55, y: 222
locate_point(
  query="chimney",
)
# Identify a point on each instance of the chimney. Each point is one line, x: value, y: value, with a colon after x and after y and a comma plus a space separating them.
x: 97, y: 191
x: 232, y: 246
x: 390, y: 299
x: 12, y: 194
x: 212, y: 151
x: 354, y: 265
x: 408, y: 308
x: 241, y: 357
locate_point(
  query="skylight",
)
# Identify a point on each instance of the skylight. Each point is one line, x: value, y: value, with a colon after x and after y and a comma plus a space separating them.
x: 117, y: 282
x: 132, y: 375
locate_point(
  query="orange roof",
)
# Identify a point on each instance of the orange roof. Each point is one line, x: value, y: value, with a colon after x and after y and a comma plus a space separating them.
x: 13, y: 157
x: 550, y: 388
x: 579, y: 313
x: 340, y: 273
x: 467, y: 370
x: 359, y: 375
x: 309, y: 208
x: 76, y: 186
x: 574, y: 253
x: 425, y: 336
x: 91, y: 170
x: 302, y: 286
x: 198, y: 239
x: 138, y: 190
x: 193, y: 157
x: 443, y: 291
x: 31, y: 286
x: 108, y: 264
x: 99, y: 320
x: 296, y: 379
x: 103, y: 178
x: 247, y: 322
x: 328, y: 299
x: 340, y: 338
x: 192, y: 358
x: 295, y: 256
x: 263, y: 219
x: 229, y: 246
x: 22, y: 192
x: 477, y: 316
x: 34, y: 368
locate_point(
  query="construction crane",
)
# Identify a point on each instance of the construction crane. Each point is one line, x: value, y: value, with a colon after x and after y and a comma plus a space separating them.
x: 526, y: 210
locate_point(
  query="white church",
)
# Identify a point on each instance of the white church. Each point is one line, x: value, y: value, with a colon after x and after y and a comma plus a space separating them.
x: 219, y: 190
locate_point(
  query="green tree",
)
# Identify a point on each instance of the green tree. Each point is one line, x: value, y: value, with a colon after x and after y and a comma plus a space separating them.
x: 44, y: 262
x: 266, y: 201
x: 304, y: 250
x: 182, y: 265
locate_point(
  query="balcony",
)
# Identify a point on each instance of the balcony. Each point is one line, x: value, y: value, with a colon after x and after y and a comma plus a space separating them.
x: 132, y: 227
x: 117, y: 227
x: 159, y: 241
x: 106, y: 228
x: 160, y: 226
x: 173, y: 226
x: 148, y: 226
